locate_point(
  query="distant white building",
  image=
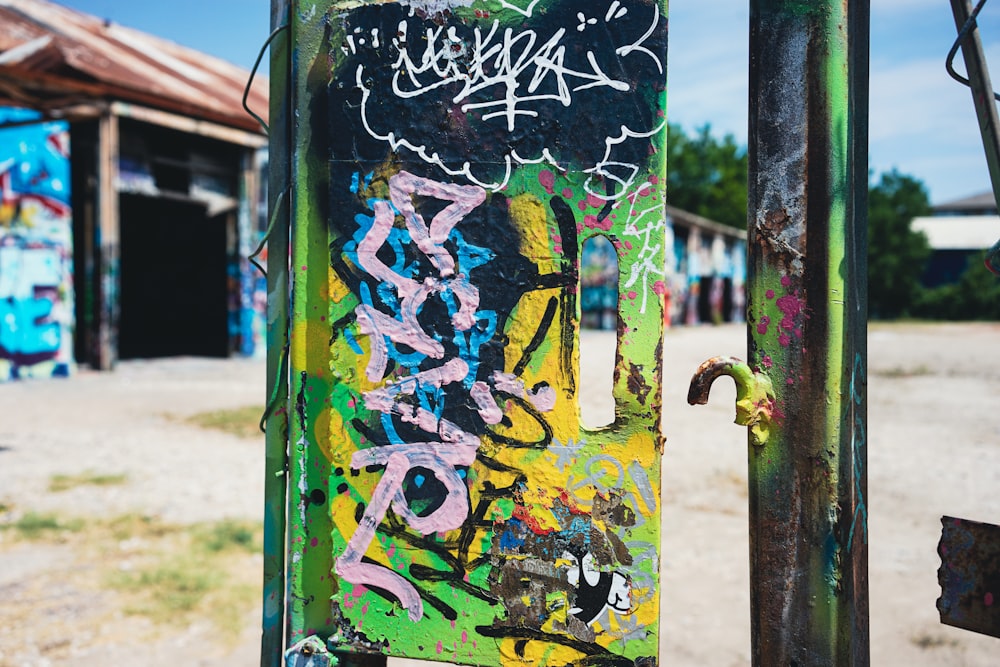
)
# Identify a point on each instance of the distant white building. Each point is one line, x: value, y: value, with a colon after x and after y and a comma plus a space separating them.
x: 958, y: 233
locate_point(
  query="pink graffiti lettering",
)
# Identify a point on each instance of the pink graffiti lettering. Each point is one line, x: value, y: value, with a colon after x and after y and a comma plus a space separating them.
x: 447, y: 445
x: 430, y: 240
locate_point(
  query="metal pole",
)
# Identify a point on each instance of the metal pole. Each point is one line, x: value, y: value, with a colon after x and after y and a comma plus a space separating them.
x: 982, y: 91
x: 276, y: 457
x: 807, y: 323
x: 986, y: 107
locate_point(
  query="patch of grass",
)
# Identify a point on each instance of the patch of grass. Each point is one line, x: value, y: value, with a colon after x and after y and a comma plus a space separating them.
x: 242, y: 422
x: 898, y: 372
x: 167, y: 589
x: 89, y: 478
x: 138, y: 526
x: 230, y: 605
x: 179, y: 574
x: 168, y: 573
x: 34, y: 526
x: 927, y: 640
x: 228, y: 534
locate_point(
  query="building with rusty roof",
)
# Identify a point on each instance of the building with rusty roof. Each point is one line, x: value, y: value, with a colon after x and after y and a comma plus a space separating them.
x: 142, y: 252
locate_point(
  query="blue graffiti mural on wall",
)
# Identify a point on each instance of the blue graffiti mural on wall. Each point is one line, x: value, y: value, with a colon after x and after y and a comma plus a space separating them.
x: 36, y: 297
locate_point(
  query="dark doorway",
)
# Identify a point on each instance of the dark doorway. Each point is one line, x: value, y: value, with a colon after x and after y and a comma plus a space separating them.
x: 173, y: 280
x: 727, y: 300
x: 86, y: 253
x: 705, y: 300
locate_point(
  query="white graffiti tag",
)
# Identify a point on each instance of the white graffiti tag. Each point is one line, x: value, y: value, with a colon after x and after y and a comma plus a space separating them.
x: 514, y: 77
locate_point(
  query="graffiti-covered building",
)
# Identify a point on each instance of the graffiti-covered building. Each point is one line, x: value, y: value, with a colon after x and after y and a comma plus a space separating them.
x: 706, y: 270
x: 36, y: 282
x: 129, y: 179
x: 703, y: 279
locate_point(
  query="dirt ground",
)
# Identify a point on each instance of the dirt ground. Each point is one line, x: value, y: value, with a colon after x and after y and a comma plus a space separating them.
x: 934, y: 448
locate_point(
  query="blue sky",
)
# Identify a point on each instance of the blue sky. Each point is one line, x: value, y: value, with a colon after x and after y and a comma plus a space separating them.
x: 921, y: 123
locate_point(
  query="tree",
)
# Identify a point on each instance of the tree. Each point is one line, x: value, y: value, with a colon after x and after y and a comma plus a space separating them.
x: 976, y: 296
x: 707, y: 176
x: 896, y: 253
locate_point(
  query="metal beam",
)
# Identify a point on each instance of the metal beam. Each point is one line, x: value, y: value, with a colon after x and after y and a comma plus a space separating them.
x: 189, y: 125
x: 807, y: 318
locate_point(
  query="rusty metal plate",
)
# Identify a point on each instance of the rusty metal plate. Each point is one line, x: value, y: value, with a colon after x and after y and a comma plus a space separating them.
x: 970, y: 575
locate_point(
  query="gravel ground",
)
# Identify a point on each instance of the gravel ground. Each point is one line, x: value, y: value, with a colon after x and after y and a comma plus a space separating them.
x: 934, y: 438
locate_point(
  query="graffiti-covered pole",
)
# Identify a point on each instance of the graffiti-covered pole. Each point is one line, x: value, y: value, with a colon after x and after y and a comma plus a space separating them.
x: 448, y: 159
x: 276, y: 457
x: 807, y: 322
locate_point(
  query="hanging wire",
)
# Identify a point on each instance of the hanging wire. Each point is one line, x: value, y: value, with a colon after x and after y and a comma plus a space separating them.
x: 267, y: 234
x: 253, y: 73
x: 272, y: 400
x: 275, y: 215
x: 949, y: 63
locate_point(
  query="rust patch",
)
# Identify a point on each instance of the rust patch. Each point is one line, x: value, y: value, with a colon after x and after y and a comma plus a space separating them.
x: 637, y: 384
x: 774, y: 235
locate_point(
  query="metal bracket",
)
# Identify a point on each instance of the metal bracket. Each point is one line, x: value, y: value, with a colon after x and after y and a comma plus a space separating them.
x: 310, y: 652
x: 969, y: 576
x: 754, y: 393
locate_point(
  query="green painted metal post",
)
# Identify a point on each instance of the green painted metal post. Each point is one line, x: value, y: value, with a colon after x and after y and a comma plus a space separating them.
x: 275, y: 483
x: 807, y: 319
x: 448, y: 159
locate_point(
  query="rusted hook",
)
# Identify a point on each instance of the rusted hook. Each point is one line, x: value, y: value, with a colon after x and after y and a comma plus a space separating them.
x: 754, y: 393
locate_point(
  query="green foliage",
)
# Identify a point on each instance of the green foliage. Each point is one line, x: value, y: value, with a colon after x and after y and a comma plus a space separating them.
x: 976, y: 296
x: 707, y: 176
x: 896, y: 254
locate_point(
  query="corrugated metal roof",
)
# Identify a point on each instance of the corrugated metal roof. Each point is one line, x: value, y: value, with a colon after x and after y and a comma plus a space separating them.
x: 52, y: 58
x: 981, y: 202
x: 959, y: 232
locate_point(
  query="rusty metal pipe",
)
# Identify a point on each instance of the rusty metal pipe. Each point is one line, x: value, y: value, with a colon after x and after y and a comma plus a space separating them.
x: 807, y: 321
